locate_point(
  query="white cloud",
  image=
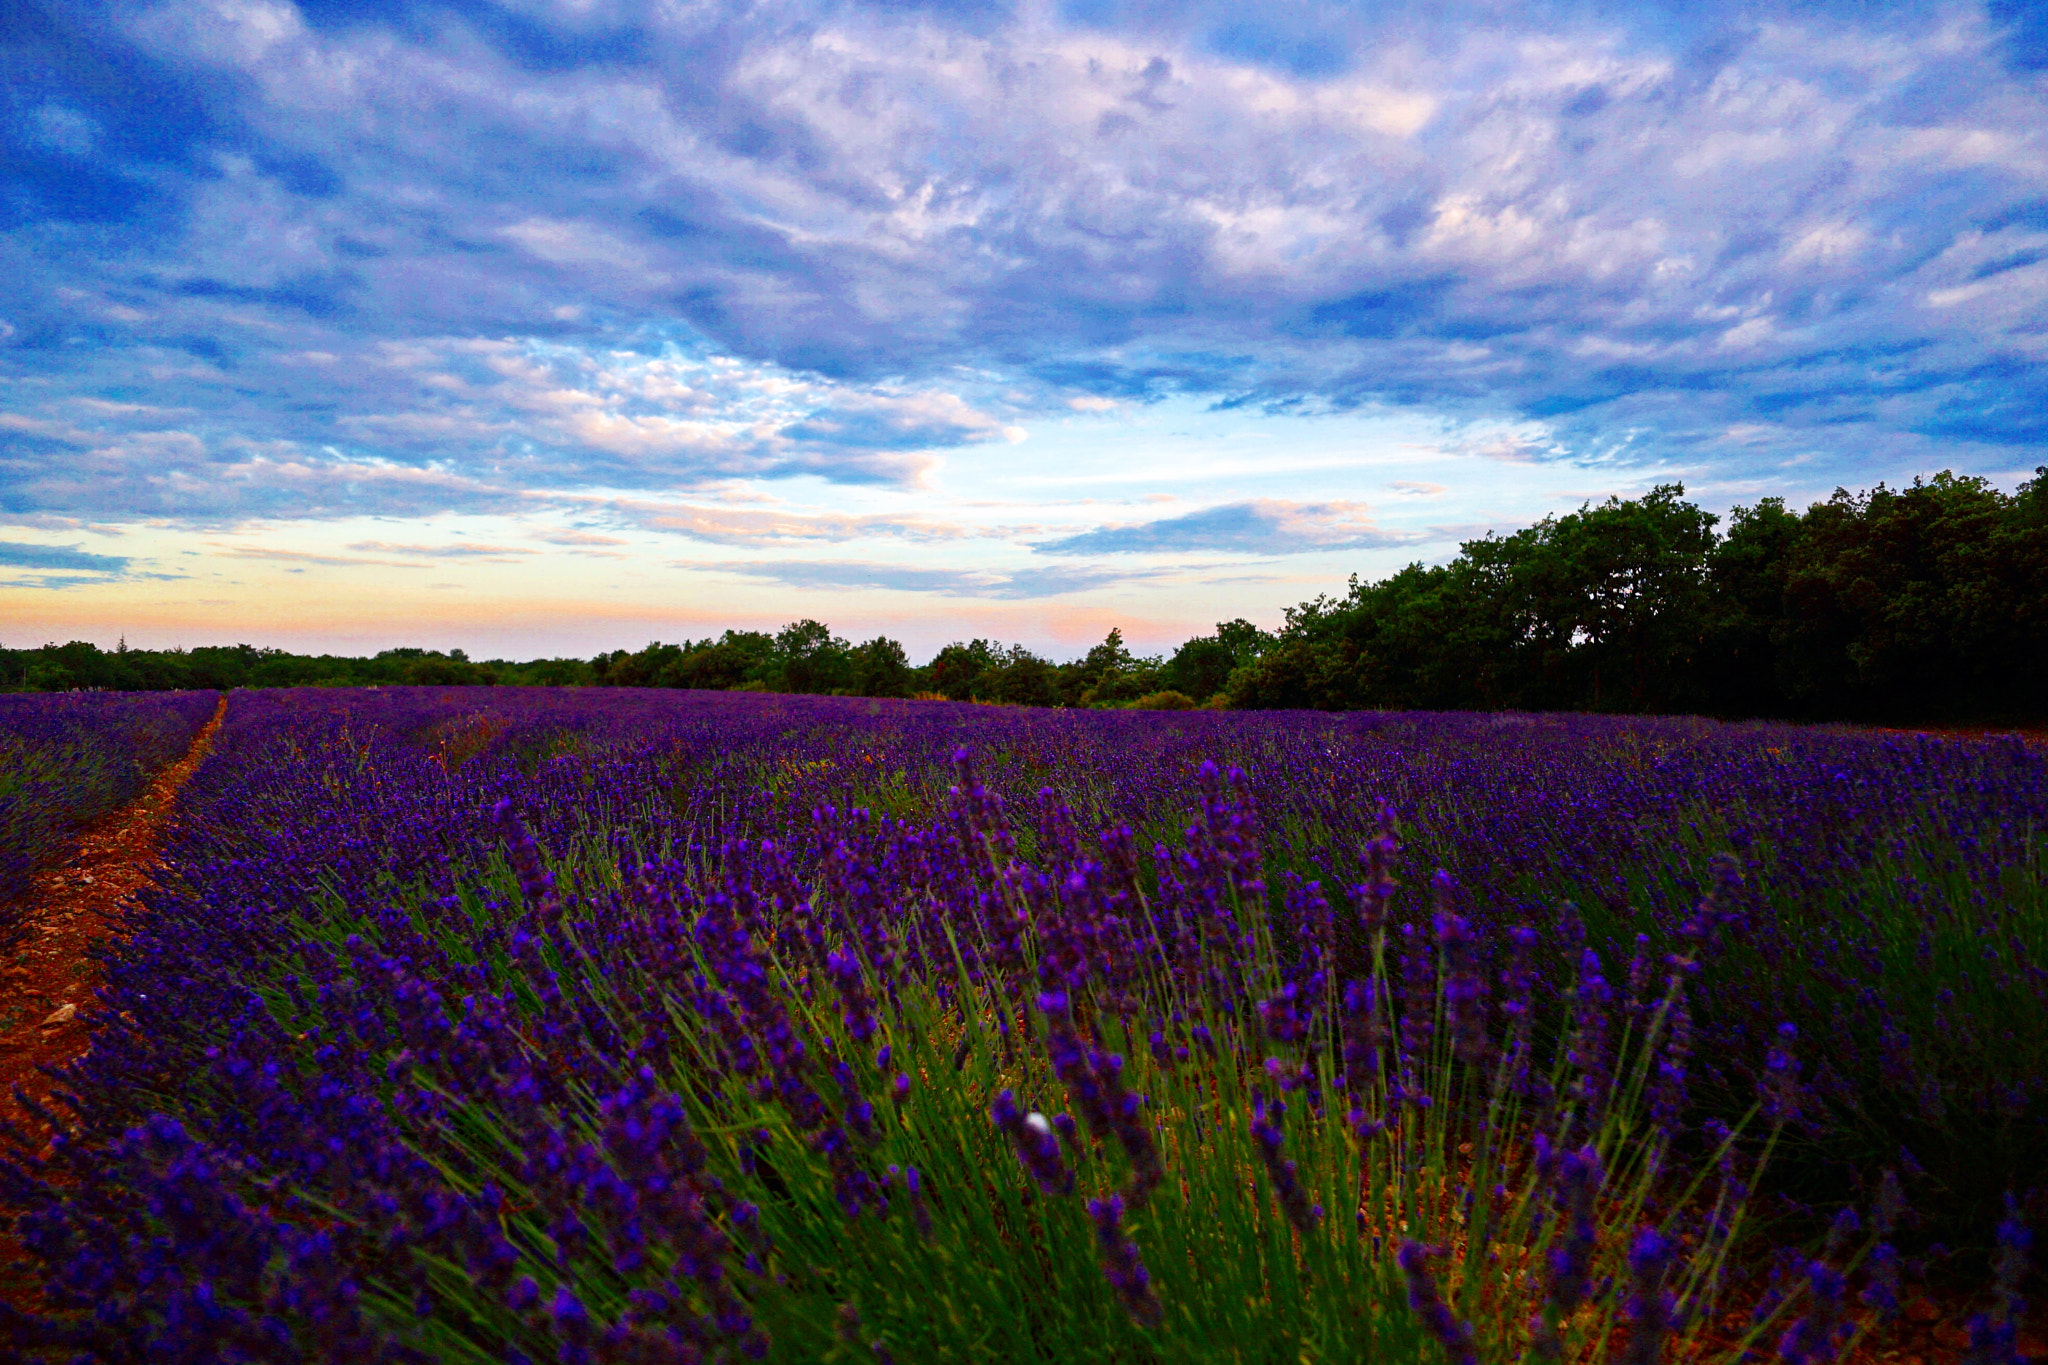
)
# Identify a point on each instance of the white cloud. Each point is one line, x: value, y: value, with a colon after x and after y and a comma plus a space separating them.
x: 416, y: 258
x: 1266, y: 526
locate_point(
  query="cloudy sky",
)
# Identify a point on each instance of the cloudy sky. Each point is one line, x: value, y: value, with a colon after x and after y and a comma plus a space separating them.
x: 545, y: 326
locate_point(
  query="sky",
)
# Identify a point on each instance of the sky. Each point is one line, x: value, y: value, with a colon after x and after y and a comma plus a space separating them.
x: 545, y: 327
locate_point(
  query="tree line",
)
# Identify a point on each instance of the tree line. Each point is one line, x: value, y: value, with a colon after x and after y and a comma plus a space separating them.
x: 1926, y: 603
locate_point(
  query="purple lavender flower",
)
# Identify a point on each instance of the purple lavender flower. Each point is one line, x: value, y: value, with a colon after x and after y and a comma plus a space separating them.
x: 1637, y: 1003
x: 1463, y: 984
x: 1573, y: 1179
x: 1365, y: 1035
x: 1121, y: 1263
x: 1779, y: 1089
x: 1377, y: 885
x: 523, y: 1295
x: 920, y: 1208
x: 536, y: 883
x: 1651, y: 1309
x: 1587, y: 1046
x: 1070, y: 1134
x: 1427, y: 1304
x: 1710, y: 914
x: 1816, y: 1337
x: 1282, y: 1015
x: 1268, y: 1133
x: 859, y: 1007
x: 1518, y: 977
x: 1094, y: 1081
x: 712, y: 951
x: 1668, y: 1085
x: 1994, y: 1334
x: 572, y: 1327
x: 1031, y: 1135
x: 1881, y: 1292
x: 858, y: 1114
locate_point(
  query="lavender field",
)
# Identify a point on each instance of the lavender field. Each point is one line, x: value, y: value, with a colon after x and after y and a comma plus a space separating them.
x: 625, y: 1026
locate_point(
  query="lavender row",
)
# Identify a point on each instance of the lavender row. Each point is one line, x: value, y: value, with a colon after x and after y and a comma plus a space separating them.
x: 68, y: 758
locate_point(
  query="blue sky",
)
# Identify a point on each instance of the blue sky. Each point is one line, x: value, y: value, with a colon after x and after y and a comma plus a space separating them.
x: 541, y: 326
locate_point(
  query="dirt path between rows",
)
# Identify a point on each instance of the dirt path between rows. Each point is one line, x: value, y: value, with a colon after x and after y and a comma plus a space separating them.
x: 47, y: 996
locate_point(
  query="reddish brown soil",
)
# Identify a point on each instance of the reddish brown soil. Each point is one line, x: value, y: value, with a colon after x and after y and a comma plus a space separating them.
x: 2033, y: 735
x: 48, y: 993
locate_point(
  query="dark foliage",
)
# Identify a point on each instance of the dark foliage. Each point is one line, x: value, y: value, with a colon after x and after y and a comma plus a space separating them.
x: 1925, y: 603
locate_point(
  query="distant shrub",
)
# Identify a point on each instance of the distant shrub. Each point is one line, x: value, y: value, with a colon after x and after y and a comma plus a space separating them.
x: 1164, y: 701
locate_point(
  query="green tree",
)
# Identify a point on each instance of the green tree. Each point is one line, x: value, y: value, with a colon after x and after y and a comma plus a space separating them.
x: 1914, y: 603
x: 812, y: 659
x: 437, y: 671
x: 1202, y: 667
x: 644, y: 669
x: 1746, y: 574
x: 1623, y: 587
x: 734, y: 660
x: 956, y: 670
x: 1599, y: 609
x: 1081, y: 682
x: 1285, y: 677
x: 881, y: 669
x: 1021, y: 679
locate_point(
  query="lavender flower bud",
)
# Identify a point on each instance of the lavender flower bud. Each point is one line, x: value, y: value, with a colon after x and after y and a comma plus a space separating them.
x: 1286, y: 1181
x: 1031, y: 1136
x: 1428, y: 1305
x: 1121, y: 1264
x: 1650, y: 1306
x: 1818, y: 1335
x: 1779, y: 1089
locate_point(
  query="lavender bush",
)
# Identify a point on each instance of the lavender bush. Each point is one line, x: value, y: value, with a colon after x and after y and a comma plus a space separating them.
x: 490, y: 1026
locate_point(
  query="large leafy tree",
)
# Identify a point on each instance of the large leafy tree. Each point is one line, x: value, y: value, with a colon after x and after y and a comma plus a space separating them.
x: 881, y: 669
x: 1201, y: 667
x: 1599, y: 609
x: 1618, y: 596
x: 1746, y: 575
x: 812, y: 659
x: 955, y: 670
x: 1921, y: 601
